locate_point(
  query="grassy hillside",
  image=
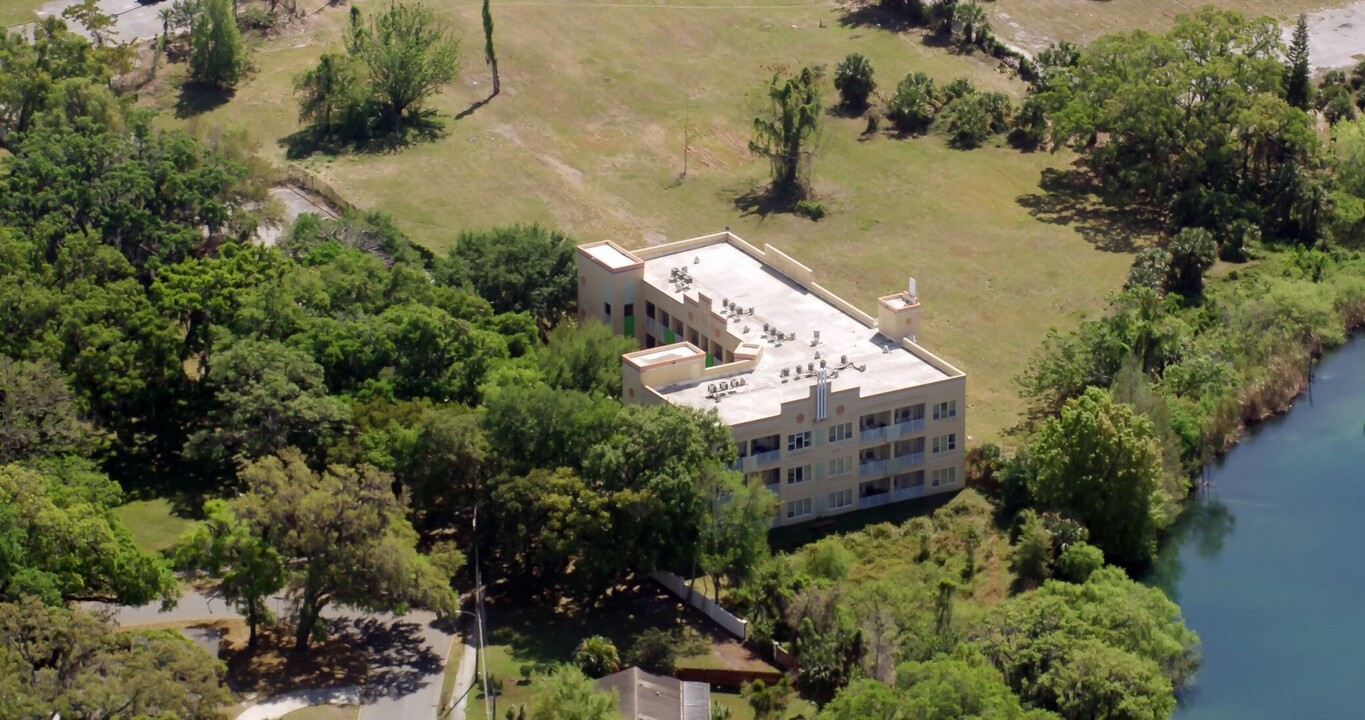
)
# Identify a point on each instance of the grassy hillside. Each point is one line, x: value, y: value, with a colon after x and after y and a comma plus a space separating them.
x: 588, y: 135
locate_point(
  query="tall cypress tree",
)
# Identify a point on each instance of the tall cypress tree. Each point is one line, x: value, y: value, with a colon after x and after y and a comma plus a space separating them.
x: 489, y: 56
x: 1298, y: 88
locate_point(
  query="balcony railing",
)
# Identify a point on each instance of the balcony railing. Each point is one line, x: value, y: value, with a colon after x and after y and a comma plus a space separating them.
x: 868, y: 501
x: 766, y: 458
x: 652, y: 325
x: 910, y: 459
x: 910, y: 426
x: 872, y: 467
x: 907, y: 493
x: 872, y: 434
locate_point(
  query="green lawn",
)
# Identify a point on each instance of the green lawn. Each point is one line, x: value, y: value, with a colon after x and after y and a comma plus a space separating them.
x: 741, y: 710
x: 588, y: 134
x: 16, y: 12
x: 153, y: 523
x: 325, y: 712
x: 523, y: 634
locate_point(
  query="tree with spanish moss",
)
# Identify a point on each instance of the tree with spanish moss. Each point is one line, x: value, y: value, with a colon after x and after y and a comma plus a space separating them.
x: 785, y: 129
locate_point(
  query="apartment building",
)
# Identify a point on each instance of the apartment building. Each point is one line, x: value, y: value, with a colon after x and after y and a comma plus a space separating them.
x: 833, y: 408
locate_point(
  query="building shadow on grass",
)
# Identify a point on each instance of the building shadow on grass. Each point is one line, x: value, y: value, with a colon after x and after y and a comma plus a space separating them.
x: 1071, y: 197
x: 196, y: 99
x: 309, y: 141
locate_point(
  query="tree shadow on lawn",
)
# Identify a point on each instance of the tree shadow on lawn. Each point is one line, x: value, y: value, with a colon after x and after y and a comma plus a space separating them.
x: 873, y: 16
x: 196, y: 99
x: 763, y: 201
x: 426, y: 127
x: 1072, y: 197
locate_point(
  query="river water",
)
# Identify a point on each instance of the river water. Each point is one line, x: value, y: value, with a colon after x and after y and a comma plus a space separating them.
x: 1265, y: 562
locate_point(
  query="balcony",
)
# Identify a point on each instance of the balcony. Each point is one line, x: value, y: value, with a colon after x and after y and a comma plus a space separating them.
x: 872, y: 434
x: 652, y: 325
x: 907, y: 493
x: 872, y: 468
x: 910, y: 459
x: 868, y: 501
x: 910, y: 426
x: 766, y: 458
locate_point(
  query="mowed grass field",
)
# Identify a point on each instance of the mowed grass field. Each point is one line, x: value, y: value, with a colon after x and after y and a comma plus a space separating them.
x: 1035, y: 24
x: 588, y: 136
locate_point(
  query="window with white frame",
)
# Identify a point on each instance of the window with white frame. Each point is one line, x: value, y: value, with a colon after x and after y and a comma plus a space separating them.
x: 945, y: 476
x: 945, y: 443
x: 840, y: 432
x: 797, y: 475
x: 798, y: 441
x: 798, y: 508
x: 840, y: 499
x: 840, y: 466
x: 945, y: 410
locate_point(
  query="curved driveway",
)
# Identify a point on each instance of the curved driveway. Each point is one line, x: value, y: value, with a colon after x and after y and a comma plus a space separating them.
x: 407, y: 653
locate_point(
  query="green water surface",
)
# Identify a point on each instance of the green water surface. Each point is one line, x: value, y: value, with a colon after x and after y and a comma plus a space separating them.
x: 1266, y: 563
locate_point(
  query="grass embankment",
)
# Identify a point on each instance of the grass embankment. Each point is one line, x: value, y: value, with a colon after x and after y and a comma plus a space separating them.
x: 154, y: 524
x: 325, y: 712
x: 1040, y: 22
x: 588, y: 135
x: 18, y: 12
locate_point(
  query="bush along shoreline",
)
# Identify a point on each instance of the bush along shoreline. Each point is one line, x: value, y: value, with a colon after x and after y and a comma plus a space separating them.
x: 1182, y: 376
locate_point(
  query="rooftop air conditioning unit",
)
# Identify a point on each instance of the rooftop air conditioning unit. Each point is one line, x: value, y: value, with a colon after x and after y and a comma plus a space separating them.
x: 751, y: 310
x: 843, y: 359
x: 724, y: 385
x: 711, y: 388
x: 785, y: 372
x: 822, y: 363
x: 810, y: 367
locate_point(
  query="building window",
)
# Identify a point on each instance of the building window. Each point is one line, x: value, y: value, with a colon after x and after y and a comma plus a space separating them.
x: 798, y: 441
x: 945, y: 443
x: 840, y: 432
x: 797, y: 475
x: 840, y: 466
x: 909, y: 414
x: 946, y: 476
x: 630, y: 309
x: 945, y: 410
x: 606, y: 309
x: 649, y: 310
x: 798, y: 508
x: 650, y: 341
x: 840, y: 499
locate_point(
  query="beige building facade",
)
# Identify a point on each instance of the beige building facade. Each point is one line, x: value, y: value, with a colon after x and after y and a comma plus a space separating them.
x: 833, y: 408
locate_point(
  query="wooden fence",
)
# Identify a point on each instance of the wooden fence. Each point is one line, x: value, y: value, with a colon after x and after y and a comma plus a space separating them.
x: 727, y: 678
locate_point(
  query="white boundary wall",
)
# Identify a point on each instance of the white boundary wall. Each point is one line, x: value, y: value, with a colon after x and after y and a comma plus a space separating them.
x: 720, y: 616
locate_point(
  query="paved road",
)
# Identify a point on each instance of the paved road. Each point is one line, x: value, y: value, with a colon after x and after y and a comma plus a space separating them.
x: 132, y: 19
x: 408, y: 653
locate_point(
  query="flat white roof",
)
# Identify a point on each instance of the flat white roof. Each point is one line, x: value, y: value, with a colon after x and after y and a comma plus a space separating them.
x: 664, y: 354
x: 725, y: 272
x: 610, y: 256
